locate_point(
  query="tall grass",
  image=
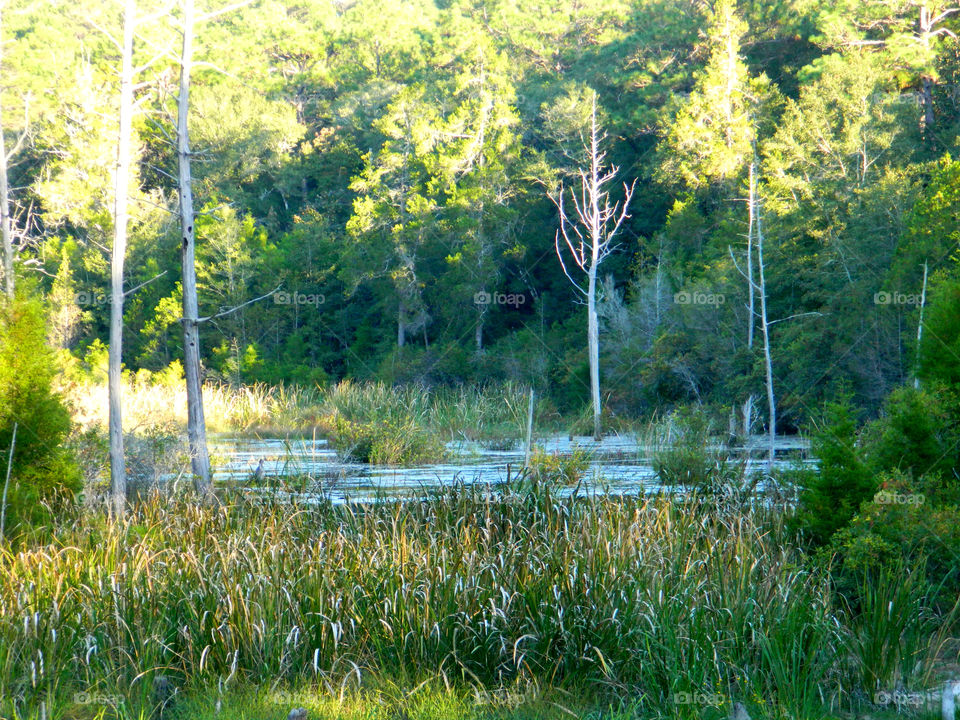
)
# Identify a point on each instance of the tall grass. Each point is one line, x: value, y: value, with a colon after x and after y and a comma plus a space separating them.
x: 642, y: 598
x: 473, y: 413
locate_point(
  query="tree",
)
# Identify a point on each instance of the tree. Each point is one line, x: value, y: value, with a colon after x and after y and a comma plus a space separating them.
x: 391, y: 216
x: 43, y: 470
x: 6, y: 226
x: 589, y: 238
x: 196, y: 424
x: 118, y: 478
x: 476, y: 154
x: 711, y: 138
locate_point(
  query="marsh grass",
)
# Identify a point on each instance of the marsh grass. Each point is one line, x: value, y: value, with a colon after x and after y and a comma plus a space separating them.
x: 476, y: 413
x: 638, y: 599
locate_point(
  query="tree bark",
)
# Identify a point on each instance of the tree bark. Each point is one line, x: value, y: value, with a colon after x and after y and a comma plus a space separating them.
x: 196, y: 423
x: 593, y: 346
x: 5, y: 223
x: 751, y: 300
x: 768, y: 362
x: 601, y: 221
x: 923, y: 302
x: 118, y: 477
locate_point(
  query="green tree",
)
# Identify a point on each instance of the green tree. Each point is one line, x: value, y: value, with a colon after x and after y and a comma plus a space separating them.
x: 44, y: 473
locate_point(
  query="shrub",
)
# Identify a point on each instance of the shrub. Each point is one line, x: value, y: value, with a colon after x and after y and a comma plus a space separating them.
x: 940, y: 349
x: 831, y: 497
x: 916, y: 522
x: 44, y: 473
x: 686, y: 459
x: 386, y: 442
x: 917, y: 432
x: 554, y: 469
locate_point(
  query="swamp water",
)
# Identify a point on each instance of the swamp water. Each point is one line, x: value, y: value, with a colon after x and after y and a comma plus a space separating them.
x: 312, y: 469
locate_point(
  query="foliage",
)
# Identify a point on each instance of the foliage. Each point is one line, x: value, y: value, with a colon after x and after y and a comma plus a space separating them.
x: 917, y: 432
x: 385, y: 164
x: 684, y: 458
x: 909, y: 521
x: 44, y: 473
x: 940, y: 346
x: 556, y: 469
x: 384, y: 442
x: 597, y: 594
x: 831, y: 495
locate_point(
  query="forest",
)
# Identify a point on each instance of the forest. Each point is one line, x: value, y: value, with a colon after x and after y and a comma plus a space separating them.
x: 479, y: 359
x: 389, y: 173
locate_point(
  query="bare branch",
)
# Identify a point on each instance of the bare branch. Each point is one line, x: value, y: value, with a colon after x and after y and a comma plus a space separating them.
x: 223, y: 11
x: 237, y: 307
x: 144, y: 284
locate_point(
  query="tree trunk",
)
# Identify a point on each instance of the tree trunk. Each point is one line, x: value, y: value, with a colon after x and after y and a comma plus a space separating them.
x: 928, y: 117
x: 478, y: 331
x: 768, y: 363
x: 401, y: 327
x: 5, y: 224
x: 751, y: 299
x: 196, y: 424
x: 593, y: 344
x: 118, y: 477
x: 923, y: 302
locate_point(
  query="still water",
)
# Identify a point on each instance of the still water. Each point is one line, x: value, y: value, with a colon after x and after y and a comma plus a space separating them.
x: 310, y: 468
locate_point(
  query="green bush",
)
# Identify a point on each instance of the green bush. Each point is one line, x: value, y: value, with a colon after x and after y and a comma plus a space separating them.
x: 918, y: 431
x: 831, y: 497
x: 915, y: 522
x: 554, y: 469
x: 44, y: 473
x: 686, y: 458
x: 386, y: 442
x: 940, y: 349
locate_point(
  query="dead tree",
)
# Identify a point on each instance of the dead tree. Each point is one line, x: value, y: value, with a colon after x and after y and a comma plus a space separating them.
x: 6, y: 224
x: 589, y: 238
x: 196, y: 423
x: 118, y: 476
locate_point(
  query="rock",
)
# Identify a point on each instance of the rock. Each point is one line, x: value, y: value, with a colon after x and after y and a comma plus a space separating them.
x: 739, y: 712
x: 297, y: 714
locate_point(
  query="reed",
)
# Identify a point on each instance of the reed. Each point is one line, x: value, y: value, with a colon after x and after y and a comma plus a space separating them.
x: 658, y: 601
x: 474, y: 413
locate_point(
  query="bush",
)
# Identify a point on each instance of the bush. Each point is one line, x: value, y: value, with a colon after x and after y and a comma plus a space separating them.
x: 915, y: 522
x: 831, y: 497
x: 918, y: 432
x: 686, y: 459
x: 556, y: 469
x: 44, y: 473
x: 386, y: 442
x: 940, y: 349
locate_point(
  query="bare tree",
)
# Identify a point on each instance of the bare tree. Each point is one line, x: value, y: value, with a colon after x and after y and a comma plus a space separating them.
x: 765, y: 326
x: 196, y: 423
x: 751, y: 303
x: 6, y: 225
x: 118, y: 477
x: 589, y: 237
